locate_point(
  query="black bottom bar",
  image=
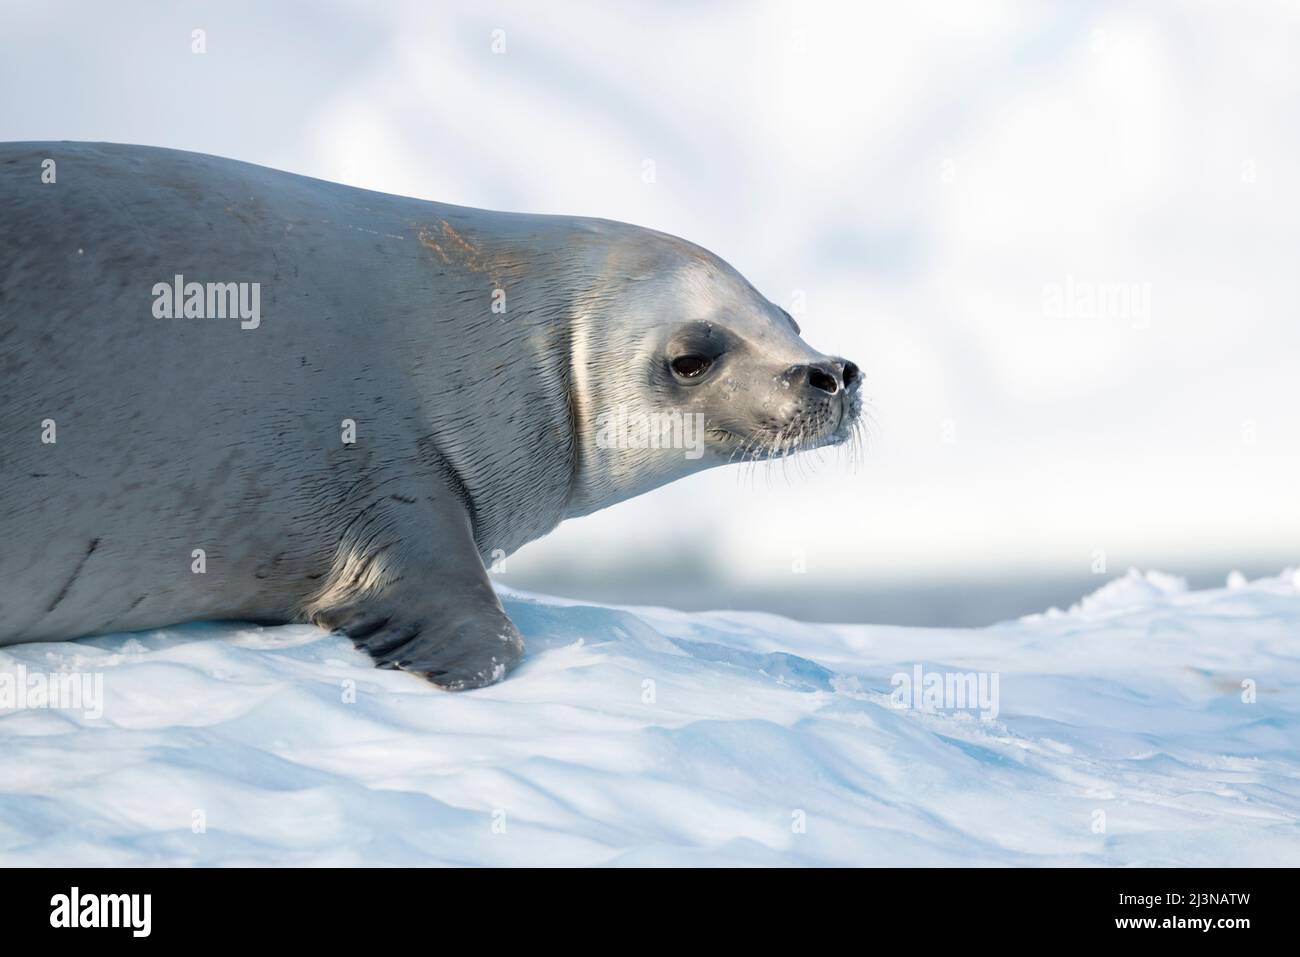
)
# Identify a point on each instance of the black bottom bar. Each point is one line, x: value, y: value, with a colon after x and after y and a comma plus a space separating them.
x: 334, y: 907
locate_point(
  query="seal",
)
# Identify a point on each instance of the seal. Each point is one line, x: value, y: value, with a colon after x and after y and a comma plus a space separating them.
x: 230, y: 392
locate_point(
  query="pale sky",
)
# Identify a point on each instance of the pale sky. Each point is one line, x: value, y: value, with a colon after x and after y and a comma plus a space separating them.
x: 963, y: 197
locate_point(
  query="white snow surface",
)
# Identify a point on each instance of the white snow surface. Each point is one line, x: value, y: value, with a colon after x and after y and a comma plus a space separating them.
x: 638, y: 736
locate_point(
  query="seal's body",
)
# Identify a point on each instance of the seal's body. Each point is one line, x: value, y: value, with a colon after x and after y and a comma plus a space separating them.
x: 232, y: 392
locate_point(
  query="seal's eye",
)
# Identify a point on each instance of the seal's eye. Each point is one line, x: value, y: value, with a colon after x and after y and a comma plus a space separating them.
x: 691, y: 367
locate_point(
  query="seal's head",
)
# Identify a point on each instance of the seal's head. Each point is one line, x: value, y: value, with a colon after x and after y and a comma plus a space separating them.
x: 681, y: 365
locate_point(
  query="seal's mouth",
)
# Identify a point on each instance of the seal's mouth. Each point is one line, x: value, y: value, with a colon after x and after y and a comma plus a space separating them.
x: 822, y: 426
x: 850, y: 418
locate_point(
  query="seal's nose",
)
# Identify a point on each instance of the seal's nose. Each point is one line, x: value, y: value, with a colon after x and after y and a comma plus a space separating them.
x: 850, y: 375
x: 821, y: 376
x: 837, y: 375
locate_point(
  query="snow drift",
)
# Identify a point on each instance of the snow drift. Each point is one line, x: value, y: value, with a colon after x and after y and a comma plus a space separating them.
x: 1147, y: 725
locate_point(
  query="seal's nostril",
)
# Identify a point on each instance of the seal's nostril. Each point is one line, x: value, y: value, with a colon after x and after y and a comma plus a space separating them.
x: 851, y: 374
x: 822, y: 380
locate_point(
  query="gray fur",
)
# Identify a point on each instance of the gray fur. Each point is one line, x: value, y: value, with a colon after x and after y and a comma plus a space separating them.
x: 474, y: 430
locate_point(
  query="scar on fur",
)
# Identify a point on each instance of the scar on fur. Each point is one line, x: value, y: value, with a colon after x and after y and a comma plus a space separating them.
x: 451, y: 246
x: 455, y: 250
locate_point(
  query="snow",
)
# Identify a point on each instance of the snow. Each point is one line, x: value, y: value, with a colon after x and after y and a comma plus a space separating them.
x: 1147, y: 725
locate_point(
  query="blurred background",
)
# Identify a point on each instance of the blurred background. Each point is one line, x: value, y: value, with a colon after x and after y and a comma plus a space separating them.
x: 1059, y: 238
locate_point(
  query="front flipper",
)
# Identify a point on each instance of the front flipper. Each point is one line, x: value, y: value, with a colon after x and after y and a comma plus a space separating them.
x: 462, y: 641
x: 421, y: 603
